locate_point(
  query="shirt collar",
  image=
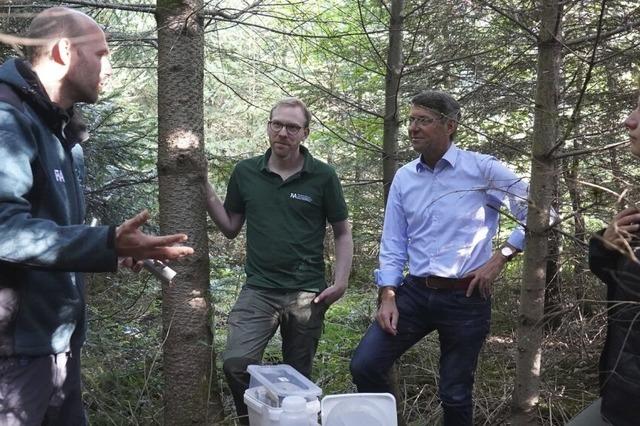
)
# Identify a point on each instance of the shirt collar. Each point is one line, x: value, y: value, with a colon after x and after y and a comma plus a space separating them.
x: 451, y: 156
x: 263, y: 162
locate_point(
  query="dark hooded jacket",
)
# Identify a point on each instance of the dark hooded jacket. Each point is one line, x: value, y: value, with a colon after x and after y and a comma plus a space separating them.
x: 620, y: 359
x: 44, y: 245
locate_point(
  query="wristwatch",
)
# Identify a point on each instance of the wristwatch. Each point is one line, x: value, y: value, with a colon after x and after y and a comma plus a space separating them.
x: 381, y: 290
x: 508, y: 252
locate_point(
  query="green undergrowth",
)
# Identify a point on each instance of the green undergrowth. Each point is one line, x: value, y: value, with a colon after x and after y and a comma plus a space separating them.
x: 123, y: 358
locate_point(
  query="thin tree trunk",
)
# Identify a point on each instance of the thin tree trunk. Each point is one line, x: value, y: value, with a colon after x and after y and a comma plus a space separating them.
x: 186, y: 309
x: 617, y: 184
x: 390, y: 135
x: 391, y: 89
x: 553, y: 299
x: 545, y: 133
x: 571, y: 171
x: 571, y: 176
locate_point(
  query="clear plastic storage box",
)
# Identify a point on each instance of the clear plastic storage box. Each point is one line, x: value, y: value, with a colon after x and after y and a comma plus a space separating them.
x: 268, y: 387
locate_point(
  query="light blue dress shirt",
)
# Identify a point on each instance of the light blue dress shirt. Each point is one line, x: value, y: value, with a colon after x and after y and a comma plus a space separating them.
x: 443, y: 220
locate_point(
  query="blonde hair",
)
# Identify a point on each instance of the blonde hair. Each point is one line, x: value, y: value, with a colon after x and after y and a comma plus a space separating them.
x: 293, y: 102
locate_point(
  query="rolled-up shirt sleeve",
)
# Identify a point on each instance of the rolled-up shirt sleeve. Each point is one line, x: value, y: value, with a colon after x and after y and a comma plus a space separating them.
x: 512, y: 191
x: 393, y: 245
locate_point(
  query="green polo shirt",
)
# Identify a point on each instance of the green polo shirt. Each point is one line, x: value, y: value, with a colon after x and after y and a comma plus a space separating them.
x: 286, y: 220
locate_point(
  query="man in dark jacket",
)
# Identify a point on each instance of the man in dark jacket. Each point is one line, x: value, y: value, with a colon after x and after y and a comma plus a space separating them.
x: 44, y: 245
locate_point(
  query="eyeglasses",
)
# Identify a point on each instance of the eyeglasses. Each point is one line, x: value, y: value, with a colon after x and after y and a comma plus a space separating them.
x: 421, y: 121
x: 292, y: 129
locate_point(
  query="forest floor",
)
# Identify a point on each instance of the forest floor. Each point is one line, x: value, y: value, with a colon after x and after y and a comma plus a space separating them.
x: 123, y: 374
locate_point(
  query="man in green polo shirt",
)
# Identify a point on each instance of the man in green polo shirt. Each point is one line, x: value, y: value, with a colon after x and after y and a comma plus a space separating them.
x: 287, y: 197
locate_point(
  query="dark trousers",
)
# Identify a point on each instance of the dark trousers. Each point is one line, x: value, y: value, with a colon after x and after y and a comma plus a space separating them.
x: 254, y: 320
x: 462, y: 324
x: 41, y: 390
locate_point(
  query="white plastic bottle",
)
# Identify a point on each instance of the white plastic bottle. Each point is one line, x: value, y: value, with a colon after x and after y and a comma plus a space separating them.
x: 294, y: 412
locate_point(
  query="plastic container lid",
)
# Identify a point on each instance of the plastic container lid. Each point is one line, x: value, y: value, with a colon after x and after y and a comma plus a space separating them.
x: 371, y: 409
x: 281, y: 381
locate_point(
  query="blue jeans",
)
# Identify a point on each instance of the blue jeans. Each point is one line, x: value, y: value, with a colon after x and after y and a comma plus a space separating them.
x: 462, y: 324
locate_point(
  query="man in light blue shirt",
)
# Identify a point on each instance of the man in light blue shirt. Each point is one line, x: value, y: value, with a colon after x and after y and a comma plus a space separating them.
x: 441, y: 217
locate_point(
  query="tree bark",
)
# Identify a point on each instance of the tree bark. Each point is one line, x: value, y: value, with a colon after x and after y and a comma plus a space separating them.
x: 545, y: 133
x: 390, y: 137
x: 391, y: 89
x: 553, y: 299
x: 571, y: 172
x: 186, y: 310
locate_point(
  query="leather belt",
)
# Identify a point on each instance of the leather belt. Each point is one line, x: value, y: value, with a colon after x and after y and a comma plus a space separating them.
x: 441, y: 283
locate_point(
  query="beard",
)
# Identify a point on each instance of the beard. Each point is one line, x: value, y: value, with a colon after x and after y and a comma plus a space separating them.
x: 80, y: 92
x: 79, y: 85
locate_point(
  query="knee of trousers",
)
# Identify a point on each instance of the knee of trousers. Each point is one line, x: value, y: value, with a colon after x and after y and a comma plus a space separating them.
x: 363, y: 367
x: 459, y: 394
x: 233, y: 367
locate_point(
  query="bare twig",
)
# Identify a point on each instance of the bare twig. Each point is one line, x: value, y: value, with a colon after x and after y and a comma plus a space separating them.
x: 577, y: 109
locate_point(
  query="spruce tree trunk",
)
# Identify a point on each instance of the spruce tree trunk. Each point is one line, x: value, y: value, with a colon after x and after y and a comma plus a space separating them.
x: 553, y: 305
x: 391, y: 89
x: 390, y: 136
x: 186, y: 309
x: 543, y: 173
x: 572, y: 177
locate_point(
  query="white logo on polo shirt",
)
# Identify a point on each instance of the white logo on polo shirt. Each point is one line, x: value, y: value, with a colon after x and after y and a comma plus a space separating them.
x: 301, y: 197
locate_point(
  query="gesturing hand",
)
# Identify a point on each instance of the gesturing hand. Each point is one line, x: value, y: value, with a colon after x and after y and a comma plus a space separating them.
x: 131, y: 263
x: 132, y: 242
x: 621, y: 230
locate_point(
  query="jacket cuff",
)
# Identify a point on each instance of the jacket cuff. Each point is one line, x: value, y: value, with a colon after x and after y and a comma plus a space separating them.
x: 599, y: 254
x: 111, y: 237
x: 596, y: 245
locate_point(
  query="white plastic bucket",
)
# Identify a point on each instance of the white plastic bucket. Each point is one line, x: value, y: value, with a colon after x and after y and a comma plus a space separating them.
x: 370, y: 409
